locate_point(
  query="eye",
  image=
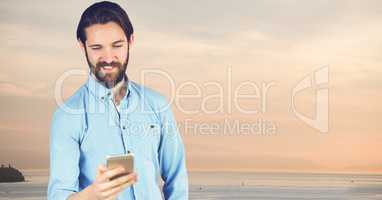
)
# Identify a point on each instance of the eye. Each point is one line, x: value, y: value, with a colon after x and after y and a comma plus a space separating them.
x: 118, y: 46
x: 96, y: 48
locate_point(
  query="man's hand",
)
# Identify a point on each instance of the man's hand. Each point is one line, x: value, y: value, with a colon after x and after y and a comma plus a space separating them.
x: 103, y: 188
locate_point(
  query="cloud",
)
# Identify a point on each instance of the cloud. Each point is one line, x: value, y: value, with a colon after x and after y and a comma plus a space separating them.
x: 262, y: 41
x: 15, y: 90
x: 15, y: 128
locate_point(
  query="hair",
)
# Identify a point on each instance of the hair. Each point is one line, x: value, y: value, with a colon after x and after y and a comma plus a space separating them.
x: 102, y: 13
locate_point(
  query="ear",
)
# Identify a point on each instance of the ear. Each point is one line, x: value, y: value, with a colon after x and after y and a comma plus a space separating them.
x: 132, y: 40
x: 81, y: 45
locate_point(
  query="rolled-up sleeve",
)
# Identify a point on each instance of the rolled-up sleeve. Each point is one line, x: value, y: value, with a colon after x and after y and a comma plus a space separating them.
x: 172, y: 159
x: 64, y: 156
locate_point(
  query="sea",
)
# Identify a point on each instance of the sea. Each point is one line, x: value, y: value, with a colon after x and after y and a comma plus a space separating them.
x: 240, y: 185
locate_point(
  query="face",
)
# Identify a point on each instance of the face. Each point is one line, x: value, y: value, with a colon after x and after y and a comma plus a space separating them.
x: 107, y: 52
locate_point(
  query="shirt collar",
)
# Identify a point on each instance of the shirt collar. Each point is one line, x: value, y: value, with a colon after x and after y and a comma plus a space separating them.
x: 100, y: 91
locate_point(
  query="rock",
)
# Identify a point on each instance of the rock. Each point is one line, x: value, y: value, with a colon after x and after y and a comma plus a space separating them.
x: 10, y: 174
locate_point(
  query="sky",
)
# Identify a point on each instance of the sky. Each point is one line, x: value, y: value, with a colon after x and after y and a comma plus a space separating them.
x: 218, y: 51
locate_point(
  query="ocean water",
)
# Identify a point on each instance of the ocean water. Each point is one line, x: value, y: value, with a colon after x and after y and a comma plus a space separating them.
x: 240, y: 185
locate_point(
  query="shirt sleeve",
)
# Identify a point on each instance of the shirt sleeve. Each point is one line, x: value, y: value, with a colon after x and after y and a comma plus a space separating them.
x: 172, y: 160
x: 64, y: 156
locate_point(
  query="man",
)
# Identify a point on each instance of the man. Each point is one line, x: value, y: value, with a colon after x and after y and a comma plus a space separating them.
x: 111, y: 115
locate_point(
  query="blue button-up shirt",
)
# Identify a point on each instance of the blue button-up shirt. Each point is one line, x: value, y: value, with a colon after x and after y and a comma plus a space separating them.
x: 88, y: 127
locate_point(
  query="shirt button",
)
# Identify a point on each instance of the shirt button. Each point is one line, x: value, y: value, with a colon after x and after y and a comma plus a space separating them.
x: 109, y: 93
x: 102, y: 98
x: 123, y: 127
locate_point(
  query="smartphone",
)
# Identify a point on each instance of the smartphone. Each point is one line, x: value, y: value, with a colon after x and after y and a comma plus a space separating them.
x: 126, y: 161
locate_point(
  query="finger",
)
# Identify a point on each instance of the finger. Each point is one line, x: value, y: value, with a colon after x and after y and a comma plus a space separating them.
x: 101, y: 169
x: 116, y: 190
x: 111, y: 173
x: 113, y: 197
x: 127, y: 184
x: 118, y: 181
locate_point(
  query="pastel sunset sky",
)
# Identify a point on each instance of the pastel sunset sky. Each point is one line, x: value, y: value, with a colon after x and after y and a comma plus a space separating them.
x: 210, y: 50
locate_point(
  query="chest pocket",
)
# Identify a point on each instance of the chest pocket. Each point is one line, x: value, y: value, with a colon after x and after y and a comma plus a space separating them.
x: 144, y: 137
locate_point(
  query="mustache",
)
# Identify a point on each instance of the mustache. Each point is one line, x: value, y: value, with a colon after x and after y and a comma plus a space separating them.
x: 113, y: 64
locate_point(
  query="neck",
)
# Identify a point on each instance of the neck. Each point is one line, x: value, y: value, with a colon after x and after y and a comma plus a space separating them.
x: 119, y: 90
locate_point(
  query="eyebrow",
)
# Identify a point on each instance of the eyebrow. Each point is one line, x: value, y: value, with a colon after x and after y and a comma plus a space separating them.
x: 114, y: 43
x: 118, y: 41
x: 94, y: 45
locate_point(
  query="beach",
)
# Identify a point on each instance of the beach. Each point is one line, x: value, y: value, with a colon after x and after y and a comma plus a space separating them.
x: 239, y: 185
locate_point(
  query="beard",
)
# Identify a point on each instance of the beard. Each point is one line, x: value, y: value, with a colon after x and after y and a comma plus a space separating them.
x: 109, y: 79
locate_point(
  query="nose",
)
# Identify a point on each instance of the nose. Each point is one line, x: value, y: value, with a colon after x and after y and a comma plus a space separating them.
x: 108, y: 56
